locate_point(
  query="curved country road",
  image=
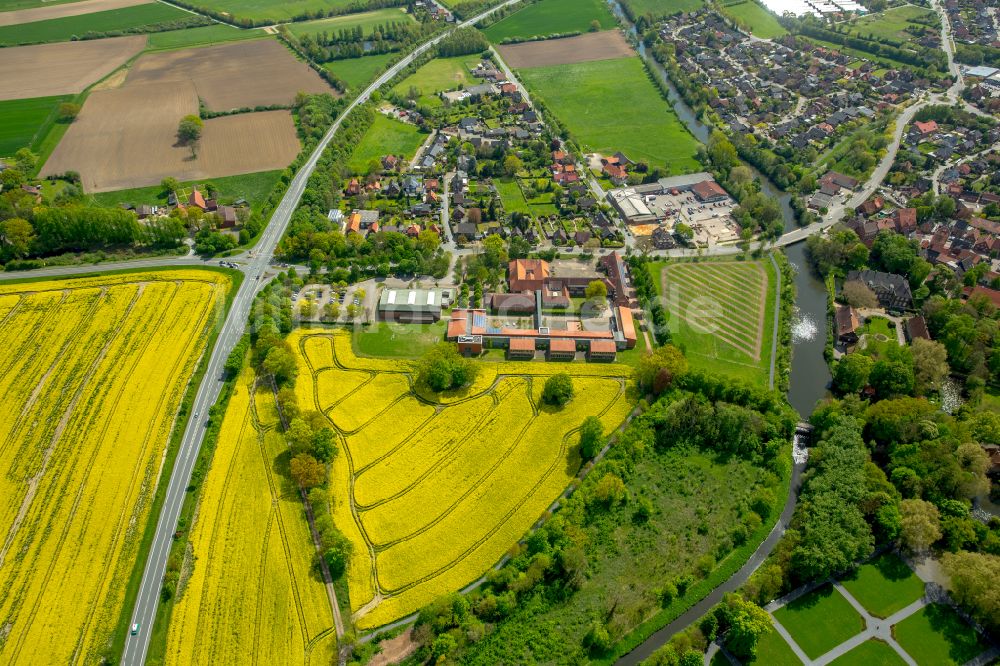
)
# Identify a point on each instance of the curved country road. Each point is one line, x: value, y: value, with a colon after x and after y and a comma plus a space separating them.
x: 257, y: 261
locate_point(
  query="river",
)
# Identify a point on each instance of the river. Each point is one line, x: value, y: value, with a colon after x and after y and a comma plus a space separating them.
x: 810, y: 374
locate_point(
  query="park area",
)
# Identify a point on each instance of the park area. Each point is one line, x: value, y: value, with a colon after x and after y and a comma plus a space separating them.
x: 252, y: 594
x: 551, y: 17
x: 84, y: 433
x: 843, y: 624
x: 386, y: 136
x: 722, y: 314
x: 612, y: 105
x: 433, y: 489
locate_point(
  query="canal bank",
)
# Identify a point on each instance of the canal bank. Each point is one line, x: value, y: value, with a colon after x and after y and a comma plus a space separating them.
x: 810, y: 375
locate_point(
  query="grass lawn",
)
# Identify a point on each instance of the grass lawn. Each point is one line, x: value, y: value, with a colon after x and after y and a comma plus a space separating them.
x: 367, y: 21
x: 870, y: 653
x: 757, y: 19
x: 937, y: 635
x: 661, y: 8
x: 209, y: 34
x: 632, y: 356
x: 772, y: 650
x: 398, y: 340
x: 511, y: 195
x: 884, y: 586
x: 386, y: 136
x: 891, y: 23
x: 820, y: 621
x: 358, y: 72
x: 857, y: 53
x: 254, y: 187
x: 550, y: 17
x: 276, y: 11
x: 64, y: 29
x: 439, y: 75
x: 25, y: 122
x: 611, y: 105
x: 727, y: 350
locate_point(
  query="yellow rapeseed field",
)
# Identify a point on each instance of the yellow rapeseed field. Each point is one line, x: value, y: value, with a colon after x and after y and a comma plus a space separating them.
x: 251, y: 596
x: 91, y: 379
x: 433, y: 490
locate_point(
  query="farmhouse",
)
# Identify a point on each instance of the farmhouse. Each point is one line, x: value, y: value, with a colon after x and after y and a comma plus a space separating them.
x: 410, y: 306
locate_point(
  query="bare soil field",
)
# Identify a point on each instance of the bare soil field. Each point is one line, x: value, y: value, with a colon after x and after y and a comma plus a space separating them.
x: 126, y: 138
x: 604, y: 45
x: 20, y: 16
x: 60, y: 69
x: 232, y: 76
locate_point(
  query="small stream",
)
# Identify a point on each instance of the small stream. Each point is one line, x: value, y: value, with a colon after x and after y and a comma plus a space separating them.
x: 810, y: 374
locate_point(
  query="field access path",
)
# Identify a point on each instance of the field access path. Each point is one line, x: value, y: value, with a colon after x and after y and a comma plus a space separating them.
x: 258, y: 260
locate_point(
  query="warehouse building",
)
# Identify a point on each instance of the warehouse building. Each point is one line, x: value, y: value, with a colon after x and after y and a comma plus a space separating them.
x: 410, y: 306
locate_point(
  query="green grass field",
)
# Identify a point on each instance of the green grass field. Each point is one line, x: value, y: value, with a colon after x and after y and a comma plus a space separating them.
x: 721, y: 314
x: 25, y: 122
x: 209, y: 34
x: 550, y: 17
x: 611, y: 105
x: 891, y: 23
x: 11, y: 5
x: 936, y: 635
x: 870, y: 653
x: 511, y: 196
x: 661, y: 8
x: 386, y: 136
x: 398, y: 340
x: 820, y: 621
x: 439, y: 75
x: 772, y: 650
x: 760, y: 22
x: 64, y: 29
x: 884, y: 586
x: 276, y: 11
x: 254, y: 187
x: 357, y: 72
x: 367, y: 21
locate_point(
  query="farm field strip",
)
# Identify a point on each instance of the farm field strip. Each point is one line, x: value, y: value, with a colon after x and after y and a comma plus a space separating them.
x: 80, y: 475
x: 252, y: 590
x: 139, y: 17
x: 588, y: 47
x: 365, y: 404
x: 550, y: 17
x: 453, y: 487
x: 53, y: 11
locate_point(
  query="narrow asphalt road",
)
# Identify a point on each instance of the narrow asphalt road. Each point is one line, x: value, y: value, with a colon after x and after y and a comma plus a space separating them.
x: 147, y: 601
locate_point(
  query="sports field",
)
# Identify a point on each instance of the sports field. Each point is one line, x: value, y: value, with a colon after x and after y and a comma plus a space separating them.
x: 64, y: 29
x: 722, y: 314
x: 432, y: 495
x: 758, y: 20
x: 552, y: 17
x: 365, y: 20
x: 386, y: 136
x: 274, y: 11
x: 611, y: 105
x: 252, y: 595
x: 24, y: 122
x: 91, y: 385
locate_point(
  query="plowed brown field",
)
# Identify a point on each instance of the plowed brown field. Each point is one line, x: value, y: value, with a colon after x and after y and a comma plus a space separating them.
x: 60, y: 69
x: 584, y: 48
x: 232, y: 76
x: 61, y: 11
x: 126, y: 138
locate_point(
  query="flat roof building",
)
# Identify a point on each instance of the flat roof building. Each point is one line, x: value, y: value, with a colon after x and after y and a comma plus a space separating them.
x: 410, y: 306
